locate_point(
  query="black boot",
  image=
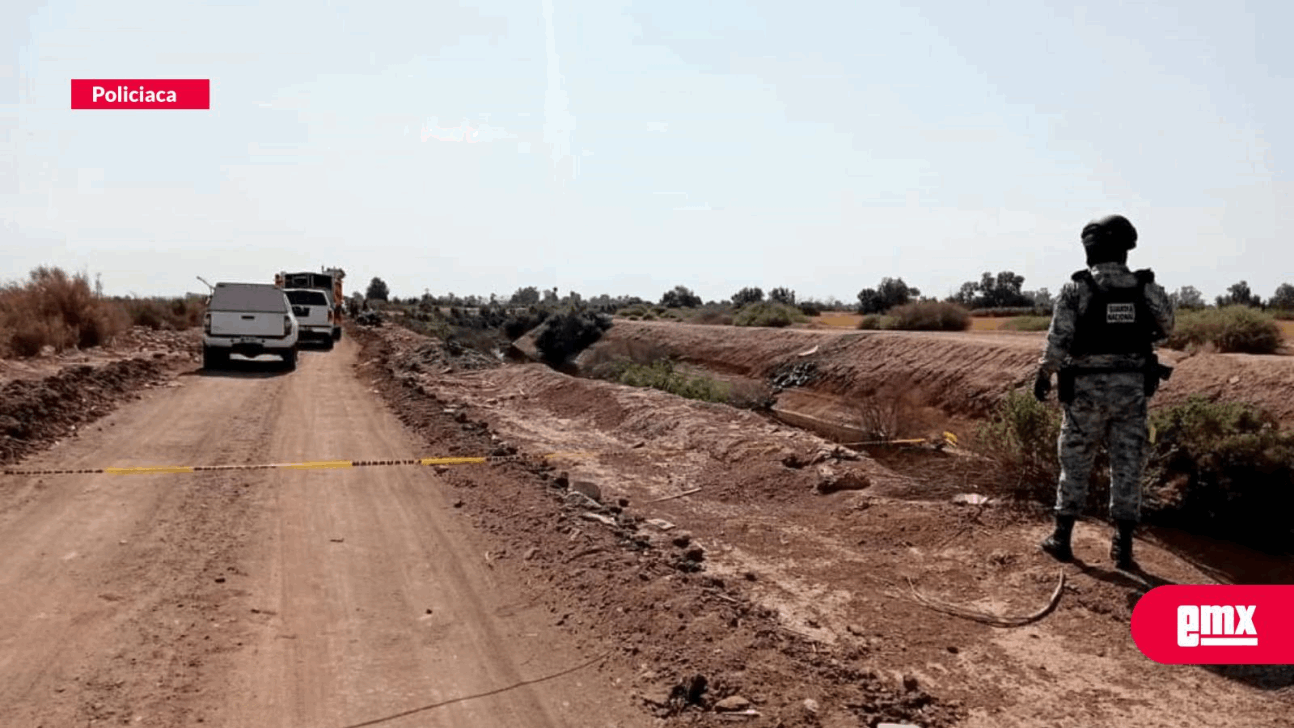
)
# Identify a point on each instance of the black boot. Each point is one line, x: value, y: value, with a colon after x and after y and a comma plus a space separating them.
x: 1121, y: 546
x: 1057, y: 544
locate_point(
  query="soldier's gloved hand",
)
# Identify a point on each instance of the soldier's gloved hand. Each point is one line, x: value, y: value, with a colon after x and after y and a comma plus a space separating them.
x: 1041, y: 386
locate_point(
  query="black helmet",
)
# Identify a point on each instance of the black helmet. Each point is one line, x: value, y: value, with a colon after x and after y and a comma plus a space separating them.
x: 1114, y: 230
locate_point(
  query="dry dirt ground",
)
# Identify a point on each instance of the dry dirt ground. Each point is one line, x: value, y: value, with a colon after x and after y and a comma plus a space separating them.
x: 727, y: 560
x: 322, y: 597
x: 839, y: 567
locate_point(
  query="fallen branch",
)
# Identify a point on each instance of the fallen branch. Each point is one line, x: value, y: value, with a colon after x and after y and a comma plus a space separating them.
x: 676, y: 495
x: 988, y: 618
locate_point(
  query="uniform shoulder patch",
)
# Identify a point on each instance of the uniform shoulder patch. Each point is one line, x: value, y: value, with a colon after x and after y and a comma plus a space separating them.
x: 1145, y: 275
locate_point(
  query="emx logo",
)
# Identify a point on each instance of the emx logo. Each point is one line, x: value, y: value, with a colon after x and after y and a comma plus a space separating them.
x: 1216, y: 625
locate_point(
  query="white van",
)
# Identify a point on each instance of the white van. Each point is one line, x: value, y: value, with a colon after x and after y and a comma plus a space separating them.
x: 248, y: 319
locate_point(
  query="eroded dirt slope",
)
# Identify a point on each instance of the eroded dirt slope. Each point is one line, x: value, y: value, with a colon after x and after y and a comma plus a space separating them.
x: 963, y: 375
x: 838, y: 567
x: 647, y: 589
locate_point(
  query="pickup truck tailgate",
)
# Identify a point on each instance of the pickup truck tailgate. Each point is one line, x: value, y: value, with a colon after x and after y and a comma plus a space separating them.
x: 246, y: 323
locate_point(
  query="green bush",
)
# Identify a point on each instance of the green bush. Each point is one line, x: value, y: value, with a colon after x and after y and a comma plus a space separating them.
x: 1224, y: 469
x: 1021, y: 437
x: 930, y: 316
x: 1281, y: 314
x: 661, y: 374
x: 520, y: 323
x: 766, y: 313
x: 1238, y: 329
x: 569, y: 333
x: 1028, y: 323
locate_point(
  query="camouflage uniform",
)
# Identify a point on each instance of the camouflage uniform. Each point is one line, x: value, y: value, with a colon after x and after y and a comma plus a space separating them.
x: 1108, y: 407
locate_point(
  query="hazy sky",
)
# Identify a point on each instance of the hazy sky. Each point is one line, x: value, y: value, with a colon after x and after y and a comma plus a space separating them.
x: 623, y: 148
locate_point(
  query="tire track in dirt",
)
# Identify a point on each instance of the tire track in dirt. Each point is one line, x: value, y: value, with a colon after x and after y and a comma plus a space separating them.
x: 223, y: 599
x: 375, y: 602
x: 97, y: 569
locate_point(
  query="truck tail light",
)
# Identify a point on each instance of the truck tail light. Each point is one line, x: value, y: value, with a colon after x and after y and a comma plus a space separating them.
x: 206, y: 322
x: 287, y: 324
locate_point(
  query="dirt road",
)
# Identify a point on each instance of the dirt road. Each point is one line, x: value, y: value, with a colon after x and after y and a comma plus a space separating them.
x: 340, y: 597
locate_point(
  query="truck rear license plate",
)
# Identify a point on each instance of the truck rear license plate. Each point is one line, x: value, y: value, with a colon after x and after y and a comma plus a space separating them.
x: 248, y: 340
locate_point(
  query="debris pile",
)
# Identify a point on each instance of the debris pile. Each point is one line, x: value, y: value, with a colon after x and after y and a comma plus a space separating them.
x: 142, y: 339
x: 793, y: 375
x: 369, y: 318
x: 36, y: 413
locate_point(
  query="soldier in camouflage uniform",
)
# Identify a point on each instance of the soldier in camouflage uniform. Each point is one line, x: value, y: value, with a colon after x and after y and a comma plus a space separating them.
x: 1106, y: 323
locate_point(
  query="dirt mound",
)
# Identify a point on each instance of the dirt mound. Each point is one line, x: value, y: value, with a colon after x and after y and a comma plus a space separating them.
x: 642, y: 586
x: 142, y: 339
x: 136, y: 342
x: 35, y: 413
x: 413, y: 353
x: 1264, y: 380
x: 962, y: 375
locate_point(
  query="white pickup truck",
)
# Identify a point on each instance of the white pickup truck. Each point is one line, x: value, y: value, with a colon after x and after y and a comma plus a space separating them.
x: 314, y: 311
x: 248, y: 319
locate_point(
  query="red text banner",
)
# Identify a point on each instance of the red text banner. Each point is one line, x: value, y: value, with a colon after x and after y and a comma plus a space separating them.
x: 134, y: 93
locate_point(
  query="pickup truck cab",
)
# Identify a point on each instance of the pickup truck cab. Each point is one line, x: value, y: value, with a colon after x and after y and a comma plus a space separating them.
x: 314, y: 311
x: 248, y: 319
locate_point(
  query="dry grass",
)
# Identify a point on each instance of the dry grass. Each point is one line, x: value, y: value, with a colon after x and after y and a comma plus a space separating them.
x: 838, y: 319
x: 56, y: 310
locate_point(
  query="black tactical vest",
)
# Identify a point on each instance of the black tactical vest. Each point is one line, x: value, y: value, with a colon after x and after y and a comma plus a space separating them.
x: 1117, y: 320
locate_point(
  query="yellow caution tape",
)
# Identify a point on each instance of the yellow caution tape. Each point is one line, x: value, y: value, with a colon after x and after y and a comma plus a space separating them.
x: 309, y: 465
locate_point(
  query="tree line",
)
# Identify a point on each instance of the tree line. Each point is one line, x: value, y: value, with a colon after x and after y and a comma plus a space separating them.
x: 1004, y: 290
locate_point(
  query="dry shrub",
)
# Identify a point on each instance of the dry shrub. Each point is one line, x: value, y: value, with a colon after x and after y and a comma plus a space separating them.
x: 56, y: 310
x: 892, y: 413
x: 930, y: 316
x: 170, y: 314
x: 875, y: 322
x: 713, y: 315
